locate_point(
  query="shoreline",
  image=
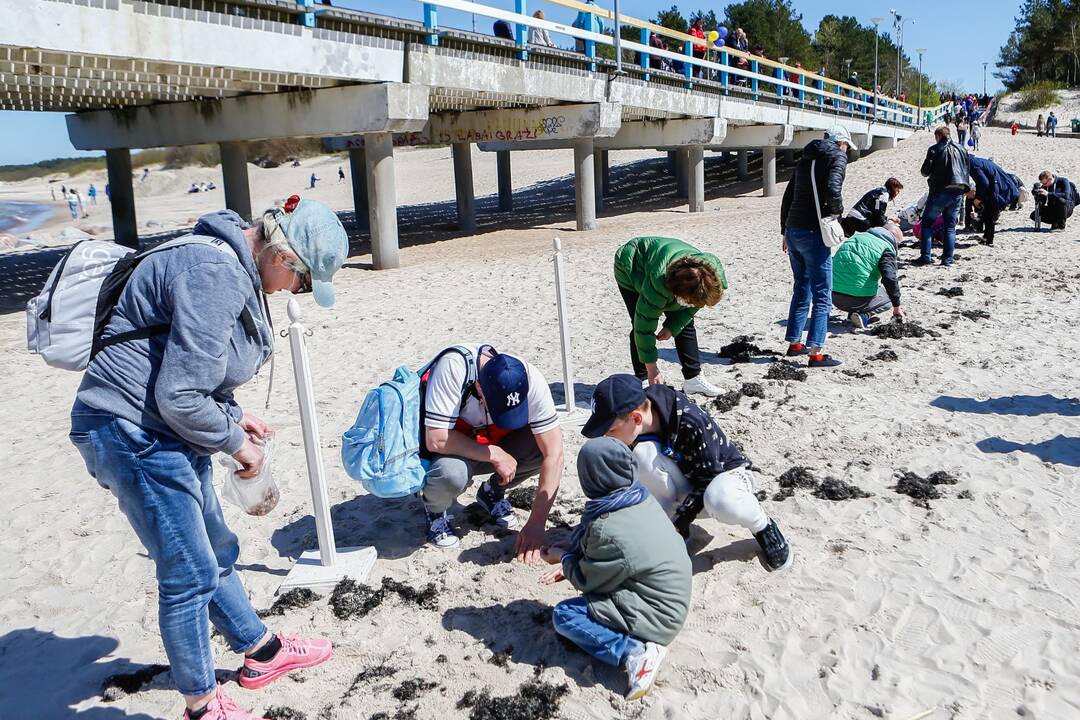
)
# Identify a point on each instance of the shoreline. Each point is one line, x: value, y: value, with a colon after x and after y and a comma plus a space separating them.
x: 21, y: 217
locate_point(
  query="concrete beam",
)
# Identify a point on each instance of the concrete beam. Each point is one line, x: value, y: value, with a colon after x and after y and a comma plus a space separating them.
x: 802, y: 138
x: 506, y: 187
x: 463, y: 187
x: 382, y: 108
x: 636, y: 136
x: 584, y: 181
x: 525, y: 126
x: 234, y: 177
x: 122, y: 197
x: 696, y: 177
x: 757, y: 136
x: 382, y: 201
x: 358, y: 176
x: 768, y: 171
x: 882, y: 143
x: 862, y: 140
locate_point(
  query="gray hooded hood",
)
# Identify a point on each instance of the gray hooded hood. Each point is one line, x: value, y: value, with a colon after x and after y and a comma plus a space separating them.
x: 219, y: 336
x: 605, y: 465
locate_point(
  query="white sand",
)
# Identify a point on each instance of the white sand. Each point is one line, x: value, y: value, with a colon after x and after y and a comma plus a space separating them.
x: 971, y: 608
x: 1067, y: 108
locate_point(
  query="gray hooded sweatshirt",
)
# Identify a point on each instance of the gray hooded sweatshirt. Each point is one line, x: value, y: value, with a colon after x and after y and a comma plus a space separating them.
x: 181, y: 384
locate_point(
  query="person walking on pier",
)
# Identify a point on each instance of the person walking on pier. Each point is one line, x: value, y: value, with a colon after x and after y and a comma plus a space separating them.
x: 823, y: 166
x: 191, y: 325
x: 659, y: 276
x: 539, y: 36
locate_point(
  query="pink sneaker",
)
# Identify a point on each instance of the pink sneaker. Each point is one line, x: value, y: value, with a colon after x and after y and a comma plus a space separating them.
x: 222, y: 707
x: 294, y: 655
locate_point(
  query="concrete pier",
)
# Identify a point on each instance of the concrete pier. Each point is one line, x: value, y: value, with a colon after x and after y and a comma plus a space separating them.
x: 463, y: 187
x: 584, y: 184
x: 682, y: 183
x: 607, y: 175
x: 696, y: 178
x: 506, y: 187
x: 234, y: 175
x: 598, y: 178
x: 768, y: 171
x: 122, y: 197
x: 744, y: 164
x: 358, y: 172
x: 382, y: 200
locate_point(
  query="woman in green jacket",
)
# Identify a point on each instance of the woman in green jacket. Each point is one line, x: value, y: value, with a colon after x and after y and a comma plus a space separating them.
x: 660, y: 276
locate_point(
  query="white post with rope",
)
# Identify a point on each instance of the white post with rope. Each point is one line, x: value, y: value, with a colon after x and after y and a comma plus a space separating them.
x: 329, y: 564
x: 569, y: 411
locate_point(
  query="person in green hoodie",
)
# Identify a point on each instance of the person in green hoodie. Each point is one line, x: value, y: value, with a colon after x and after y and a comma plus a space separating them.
x: 864, y: 281
x: 630, y: 565
x: 659, y: 276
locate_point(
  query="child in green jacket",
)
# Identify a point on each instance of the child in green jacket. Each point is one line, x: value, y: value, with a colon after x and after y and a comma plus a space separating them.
x: 630, y: 565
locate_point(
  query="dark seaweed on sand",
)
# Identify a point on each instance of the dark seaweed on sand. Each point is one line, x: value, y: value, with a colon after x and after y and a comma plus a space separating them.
x: 282, y: 712
x: 955, y: 291
x: 740, y: 350
x: 522, y: 497
x: 295, y: 598
x: 858, y: 374
x: 117, y: 686
x: 786, y: 371
x: 896, y: 330
x: 534, y: 700
x: 885, y: 355
x: 795, y: 477
x: 727, y: 400
x: 976, y: 314
x: 350, y: 599
x: 834, y: 489
x: 412, y: 689
x: 921, y: 489
x: 754, y: 390
x: 501, y: 658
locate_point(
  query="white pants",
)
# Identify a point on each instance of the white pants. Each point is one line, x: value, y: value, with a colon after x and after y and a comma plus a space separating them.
x: 729, y: 497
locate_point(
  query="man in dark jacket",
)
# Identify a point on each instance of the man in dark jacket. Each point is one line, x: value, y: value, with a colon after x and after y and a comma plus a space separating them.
x: 946, y: 169
x: 1057, y: 199
x: 994, y: 191
x: 870, y: 211
x: 811, y: 259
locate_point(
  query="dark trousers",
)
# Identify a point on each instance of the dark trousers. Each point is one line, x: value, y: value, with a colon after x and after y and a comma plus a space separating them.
x: 854, y: 225
x: 1056, y: 211
x: 686, y: 344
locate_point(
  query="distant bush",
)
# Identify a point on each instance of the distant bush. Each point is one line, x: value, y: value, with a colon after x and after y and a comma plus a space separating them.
x: 271, y: 153
x: 1039, y: 95
x: 188, y: 156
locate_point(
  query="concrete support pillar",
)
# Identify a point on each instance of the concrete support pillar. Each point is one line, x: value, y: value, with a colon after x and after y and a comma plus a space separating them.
x: 598, y: 178
x: 607, y: 175
x: 789, y: 157
x: 768, y: 171
x: 235, y: 177
x: 122, y: 197
x: 358, y: 171
x: 696, y: 178
x: 506, y: 187
x: 584, y: 184
x: 744, y: 164
x: 672, y: 158
x: 682, y: 163
x: 382, y: 200
x: 463, y: 187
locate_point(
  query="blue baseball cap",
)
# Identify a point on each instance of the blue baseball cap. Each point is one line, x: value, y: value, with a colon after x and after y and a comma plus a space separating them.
x: 614, y: 396
x: 505, y: 384
x: 318, y: 238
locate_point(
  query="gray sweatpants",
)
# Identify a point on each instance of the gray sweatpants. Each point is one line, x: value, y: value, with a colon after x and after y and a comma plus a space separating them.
x: 450, y: 475
x: 853, y: 303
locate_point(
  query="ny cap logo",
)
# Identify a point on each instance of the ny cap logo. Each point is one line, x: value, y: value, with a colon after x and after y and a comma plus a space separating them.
x: 513, y: 399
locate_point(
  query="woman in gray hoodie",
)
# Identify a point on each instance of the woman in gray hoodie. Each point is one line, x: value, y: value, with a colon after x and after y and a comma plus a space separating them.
x: 151, y: 411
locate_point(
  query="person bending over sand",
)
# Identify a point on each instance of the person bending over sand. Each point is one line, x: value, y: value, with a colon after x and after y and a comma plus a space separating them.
x: 631, y: 568
x: 860, y: 264
x: 685, y: 460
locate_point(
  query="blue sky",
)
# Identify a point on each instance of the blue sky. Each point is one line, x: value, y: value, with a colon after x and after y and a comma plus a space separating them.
x: 958, y: 40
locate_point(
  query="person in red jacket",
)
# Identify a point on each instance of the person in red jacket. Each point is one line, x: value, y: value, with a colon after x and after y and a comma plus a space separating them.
x: 697, y: 30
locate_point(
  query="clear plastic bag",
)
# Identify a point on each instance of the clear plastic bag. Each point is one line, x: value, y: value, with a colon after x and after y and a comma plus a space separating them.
x: 257, y: 495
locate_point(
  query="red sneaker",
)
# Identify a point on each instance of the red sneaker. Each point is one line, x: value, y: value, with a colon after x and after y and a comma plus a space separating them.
x: 293, y: 655
x: 222, y: 707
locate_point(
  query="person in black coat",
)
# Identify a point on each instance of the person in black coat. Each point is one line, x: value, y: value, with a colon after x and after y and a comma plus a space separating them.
x: 1057, y: 199
x: 824, y: 163
x: 994, y: 191
x: 946, y: 169
x: 870, y: 211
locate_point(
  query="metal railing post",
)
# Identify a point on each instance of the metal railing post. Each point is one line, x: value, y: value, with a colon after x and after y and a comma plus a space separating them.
x: 688, y: 67
x: 724, y: 73
x: 754, y: 80
x: 646, y: 38
x: 309, y: 16
x: 521, y: 32
x: 779, y: 87
x: 431, y: 24
x: 590, y: 46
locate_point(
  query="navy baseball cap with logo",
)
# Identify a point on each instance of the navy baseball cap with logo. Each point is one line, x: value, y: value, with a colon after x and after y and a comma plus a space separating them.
x: 505, y: 384
x: 614, y: 396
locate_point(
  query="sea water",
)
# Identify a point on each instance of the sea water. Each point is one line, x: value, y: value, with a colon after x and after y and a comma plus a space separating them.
x: 22, y: 217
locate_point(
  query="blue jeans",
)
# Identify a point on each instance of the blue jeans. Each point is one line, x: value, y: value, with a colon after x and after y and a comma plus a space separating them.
x: 167, y: 493
x: 811, y: 268
x: 573, y: 621
x: 945, y: 203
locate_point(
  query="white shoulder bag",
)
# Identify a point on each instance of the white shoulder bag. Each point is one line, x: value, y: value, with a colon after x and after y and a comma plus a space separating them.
x: 832, y: 232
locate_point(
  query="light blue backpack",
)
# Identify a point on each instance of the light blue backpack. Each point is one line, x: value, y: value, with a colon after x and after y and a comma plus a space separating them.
x: 382, y: 448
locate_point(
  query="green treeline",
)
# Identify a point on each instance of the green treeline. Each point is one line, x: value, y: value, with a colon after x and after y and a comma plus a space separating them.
x: 1044, y: 47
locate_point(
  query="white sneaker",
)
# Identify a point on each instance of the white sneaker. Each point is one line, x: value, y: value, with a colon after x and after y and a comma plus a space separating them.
x: 641, y: 670
x: 700, y: 386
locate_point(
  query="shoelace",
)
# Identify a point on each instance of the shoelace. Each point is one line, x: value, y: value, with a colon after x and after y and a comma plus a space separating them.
x: 227, y: 703
x: 441, y: 526
x: 292, y: 644
x: 502, y: 509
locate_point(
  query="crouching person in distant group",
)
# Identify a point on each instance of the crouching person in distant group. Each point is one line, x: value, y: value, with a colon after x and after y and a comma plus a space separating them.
x: 1057, y: 198
x: 864, y: 275
x: 685, y: 460
x: 628, y: 563
x: 485, y: 412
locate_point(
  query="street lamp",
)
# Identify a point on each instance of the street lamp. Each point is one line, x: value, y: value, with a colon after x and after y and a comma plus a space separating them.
x: 918, y: 120
x: 877, y: 21
x: 984, y: 78
x: 898, y: 25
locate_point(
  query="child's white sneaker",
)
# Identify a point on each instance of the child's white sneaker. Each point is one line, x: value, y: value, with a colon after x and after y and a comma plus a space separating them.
x: 641, y: 668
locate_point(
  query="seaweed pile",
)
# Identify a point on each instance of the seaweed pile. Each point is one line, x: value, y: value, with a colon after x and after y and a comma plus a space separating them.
x: 120, y: 685
x: 534, y: 700
x: 897, y: 330
x: 352, y: 600
x: 830, y: 488
x: 955, y: 291
x: 885, y: 355
x: 295, y: 598
x: 283, y: 712
x: 728, y: 400
x: 923, y: 489
x: 834, y: 489
x: 786, y: 371
x: 975, y: 314
x: 412, y: 689
x: 522, y: 497
x: 742, y: 350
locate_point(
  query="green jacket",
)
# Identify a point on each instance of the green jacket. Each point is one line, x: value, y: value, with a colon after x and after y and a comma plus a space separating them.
x: 640, y: 266
x: 634, y: 572
x: 855, y: 267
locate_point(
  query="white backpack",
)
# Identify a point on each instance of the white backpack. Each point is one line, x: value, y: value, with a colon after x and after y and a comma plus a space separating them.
x: 66, y: 321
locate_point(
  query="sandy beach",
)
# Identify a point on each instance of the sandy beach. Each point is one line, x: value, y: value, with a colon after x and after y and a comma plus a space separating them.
x: 963, y: 607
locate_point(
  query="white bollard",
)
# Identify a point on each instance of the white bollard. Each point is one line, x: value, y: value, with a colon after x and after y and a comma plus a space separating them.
x: 569, y: 411
x: 329, y: 564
